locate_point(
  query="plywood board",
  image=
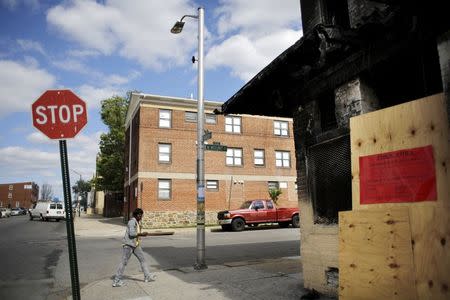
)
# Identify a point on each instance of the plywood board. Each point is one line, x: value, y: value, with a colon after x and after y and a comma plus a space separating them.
x: 413, y: 124
x: 375, y: 255
x: 430, y: 239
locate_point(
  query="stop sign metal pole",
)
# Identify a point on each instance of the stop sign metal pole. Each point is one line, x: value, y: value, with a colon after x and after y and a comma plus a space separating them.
x: 60, y: 114
x: 69, y: 221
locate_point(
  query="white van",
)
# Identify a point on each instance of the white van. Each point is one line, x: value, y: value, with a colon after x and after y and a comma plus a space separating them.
x: 47, y: 210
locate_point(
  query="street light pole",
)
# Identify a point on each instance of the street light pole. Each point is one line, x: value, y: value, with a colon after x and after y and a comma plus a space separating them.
x: 78, y: 195
x: 200, y: 263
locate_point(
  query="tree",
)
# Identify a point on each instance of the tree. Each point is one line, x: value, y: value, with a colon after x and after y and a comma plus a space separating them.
x: 110, y: 161
x: 274, y: 193
x: 46, y: 192
x: 81, y: 188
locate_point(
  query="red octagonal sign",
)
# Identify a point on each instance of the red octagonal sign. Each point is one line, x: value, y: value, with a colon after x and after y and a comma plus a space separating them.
x: 59, y: 114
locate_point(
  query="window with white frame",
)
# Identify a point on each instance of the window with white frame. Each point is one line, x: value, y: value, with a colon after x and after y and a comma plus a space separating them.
x: 211, y: 119
x: 234, y: 157
x: 280, y: 128
x: 283, y: 184
x: 164, y: 189
x: 212, y: 185
x: 258, y: 157
x: 165, y: 118
x: 233, y: 124
x: 282, y: 159
x: 273, y: 185
x: 164, y: 153
x: 190, y: 116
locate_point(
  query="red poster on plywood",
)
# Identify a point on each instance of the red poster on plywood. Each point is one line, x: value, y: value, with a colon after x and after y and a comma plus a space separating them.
x: 400, y: 176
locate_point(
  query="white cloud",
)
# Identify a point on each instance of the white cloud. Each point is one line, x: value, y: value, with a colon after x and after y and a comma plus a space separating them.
x: 251, y: 36
x: 23, y: 162
x: 83, y: 53
x: 29, y: 45
x: 246, y: 57
x: 44, y: 166
x: 115, y: 79
x: 21, y: 85
x: 14, y: 4
x: 237, y: 52
x: 78, y: 66
x: 94, y: 95
x: 74, y: 65
x: 139, y: 32
x: 253, y: 20
x: 38, y: 138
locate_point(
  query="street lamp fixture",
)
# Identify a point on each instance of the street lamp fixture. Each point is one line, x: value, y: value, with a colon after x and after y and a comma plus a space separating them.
x: 177, y: 28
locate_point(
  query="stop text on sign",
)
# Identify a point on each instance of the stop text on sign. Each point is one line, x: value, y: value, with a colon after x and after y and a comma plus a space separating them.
x: 59, y: 114
x: 56, y: 114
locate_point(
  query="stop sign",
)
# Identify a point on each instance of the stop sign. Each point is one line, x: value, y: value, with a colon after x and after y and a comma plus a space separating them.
x: 59, y: 114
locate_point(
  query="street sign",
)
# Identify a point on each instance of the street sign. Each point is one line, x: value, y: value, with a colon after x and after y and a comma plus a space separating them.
x: 215, y: 147
x: 59, y: 114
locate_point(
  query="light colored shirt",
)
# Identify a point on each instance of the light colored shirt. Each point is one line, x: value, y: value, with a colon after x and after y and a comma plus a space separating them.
x: 131, y: 237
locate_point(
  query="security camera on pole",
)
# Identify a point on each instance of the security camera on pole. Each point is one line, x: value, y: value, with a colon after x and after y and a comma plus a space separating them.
x: 60, y: 114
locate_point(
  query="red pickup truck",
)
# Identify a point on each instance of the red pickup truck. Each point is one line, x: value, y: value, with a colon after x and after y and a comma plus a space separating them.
x: 254, y: 212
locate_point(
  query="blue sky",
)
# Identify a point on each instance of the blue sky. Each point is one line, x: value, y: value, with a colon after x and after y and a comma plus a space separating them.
x: 103, y: 48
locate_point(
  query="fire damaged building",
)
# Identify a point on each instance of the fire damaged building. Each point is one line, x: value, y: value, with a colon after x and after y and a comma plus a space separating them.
x: 355, y: 57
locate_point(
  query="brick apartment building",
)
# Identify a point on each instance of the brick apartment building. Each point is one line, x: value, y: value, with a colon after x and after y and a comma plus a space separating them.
x: 162, y: 160
x: 19, y: 194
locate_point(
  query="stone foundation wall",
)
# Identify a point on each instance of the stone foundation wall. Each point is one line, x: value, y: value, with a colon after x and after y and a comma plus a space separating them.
x: 168, y: 219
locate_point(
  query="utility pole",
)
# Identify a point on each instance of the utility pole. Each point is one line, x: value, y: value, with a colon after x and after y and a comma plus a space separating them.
x: 78, y: 194
x: 177, y: 28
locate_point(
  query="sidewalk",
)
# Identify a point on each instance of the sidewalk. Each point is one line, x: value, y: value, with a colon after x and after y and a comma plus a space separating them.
x: 256, y: 279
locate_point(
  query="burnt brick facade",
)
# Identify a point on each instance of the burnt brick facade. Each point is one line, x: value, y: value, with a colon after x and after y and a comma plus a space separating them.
x: 355, y: 56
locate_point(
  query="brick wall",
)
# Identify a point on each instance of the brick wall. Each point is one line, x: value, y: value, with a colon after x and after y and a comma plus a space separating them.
x: 354, y: 98
x: 311, y: 14
x: 235, y: 183
x: 16, y: 195
x: 359, y: 9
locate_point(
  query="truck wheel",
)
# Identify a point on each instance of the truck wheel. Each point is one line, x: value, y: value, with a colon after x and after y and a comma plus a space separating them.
x: 295, y: 221
x: 226, y: 227
x: 238, y: 224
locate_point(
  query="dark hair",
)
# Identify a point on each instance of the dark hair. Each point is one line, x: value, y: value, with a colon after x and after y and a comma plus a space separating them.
x: 137, y: 211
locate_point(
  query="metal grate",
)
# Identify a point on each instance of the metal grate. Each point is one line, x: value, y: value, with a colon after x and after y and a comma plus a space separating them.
x: 329, y: 179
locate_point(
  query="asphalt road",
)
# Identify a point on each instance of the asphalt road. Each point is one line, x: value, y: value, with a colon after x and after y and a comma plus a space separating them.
x: 29, y: 253
x: 35, y: 263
